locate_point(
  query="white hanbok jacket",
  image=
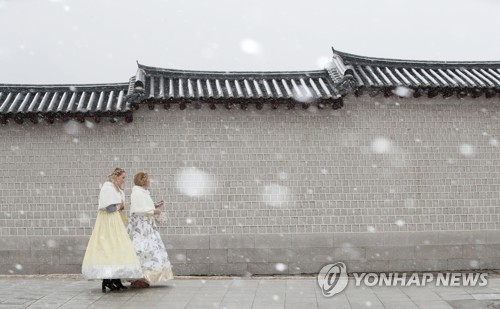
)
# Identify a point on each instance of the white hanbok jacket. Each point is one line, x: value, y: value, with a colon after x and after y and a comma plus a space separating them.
x: 141, y: 202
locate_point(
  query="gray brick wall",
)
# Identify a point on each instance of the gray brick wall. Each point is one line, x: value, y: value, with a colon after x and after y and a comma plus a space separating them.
x: 245, y: 190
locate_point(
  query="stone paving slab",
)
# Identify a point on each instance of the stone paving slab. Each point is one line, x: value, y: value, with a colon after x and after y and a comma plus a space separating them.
x: 72, y: 291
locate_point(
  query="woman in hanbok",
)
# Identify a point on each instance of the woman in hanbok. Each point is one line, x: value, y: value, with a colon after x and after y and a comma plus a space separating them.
x: 144, y: 233
x: 110, y: 253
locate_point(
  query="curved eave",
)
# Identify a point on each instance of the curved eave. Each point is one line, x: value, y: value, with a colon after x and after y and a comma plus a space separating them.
x: 70, y: 87
x: 168, y: 84
x: 449, y: 77
x: 226, y: 74
x: 62, y: 101
x: 357, y: 59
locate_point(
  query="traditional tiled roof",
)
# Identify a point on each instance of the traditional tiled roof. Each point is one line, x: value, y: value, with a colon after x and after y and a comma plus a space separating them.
x: 431, y: 77
x: 346, y: 74
x: 51, y: 102
x: 165, y: 86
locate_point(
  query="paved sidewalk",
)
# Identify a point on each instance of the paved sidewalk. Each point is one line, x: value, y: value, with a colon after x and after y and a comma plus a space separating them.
x: 241, y: 293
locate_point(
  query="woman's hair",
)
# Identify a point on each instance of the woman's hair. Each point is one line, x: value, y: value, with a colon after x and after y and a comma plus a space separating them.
x: 112, y: 177
x: 141, y: 179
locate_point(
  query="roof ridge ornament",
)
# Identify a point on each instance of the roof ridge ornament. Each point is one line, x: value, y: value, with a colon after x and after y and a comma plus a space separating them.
x: 342, y: 75
x: 136, y: 91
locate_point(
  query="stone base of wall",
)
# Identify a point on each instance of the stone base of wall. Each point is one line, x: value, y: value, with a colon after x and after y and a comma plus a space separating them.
x: 272, y: 254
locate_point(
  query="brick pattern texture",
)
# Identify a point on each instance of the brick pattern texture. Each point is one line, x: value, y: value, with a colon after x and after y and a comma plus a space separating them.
x: 377, y: 166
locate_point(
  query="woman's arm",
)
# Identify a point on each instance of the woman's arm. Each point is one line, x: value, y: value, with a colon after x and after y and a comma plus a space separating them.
x: 111, y: 208
x: 115, y: 207
x: 159, y: 204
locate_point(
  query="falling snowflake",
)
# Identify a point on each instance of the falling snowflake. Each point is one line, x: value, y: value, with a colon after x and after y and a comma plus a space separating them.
x: 474, y: 263
x: 467, y: 150
x: 72, y: 127
x: 194, y: 182
x: 381, y: 145
x: 84, y: 219
x: 403, y: 92
x: 250, y: 46
x: 302, y: 94
x: 280, y: 267
x: 313, y: 109
x: 51, y: 243
x: 89, y: 124
x: 323, y: 62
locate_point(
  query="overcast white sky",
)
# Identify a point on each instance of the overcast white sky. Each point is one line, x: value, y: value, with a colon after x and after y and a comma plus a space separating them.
x: 99, y: 41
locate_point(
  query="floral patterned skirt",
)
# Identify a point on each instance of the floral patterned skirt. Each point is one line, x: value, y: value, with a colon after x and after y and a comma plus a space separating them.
x: 150, y: 249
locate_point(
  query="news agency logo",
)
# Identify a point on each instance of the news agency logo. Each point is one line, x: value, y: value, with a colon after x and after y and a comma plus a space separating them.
x: 333, y: 279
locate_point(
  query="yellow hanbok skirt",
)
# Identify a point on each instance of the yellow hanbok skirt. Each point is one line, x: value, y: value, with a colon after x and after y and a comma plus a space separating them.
x: 110, y: 253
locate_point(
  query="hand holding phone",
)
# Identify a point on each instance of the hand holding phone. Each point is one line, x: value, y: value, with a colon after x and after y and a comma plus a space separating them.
x: 159, y: 204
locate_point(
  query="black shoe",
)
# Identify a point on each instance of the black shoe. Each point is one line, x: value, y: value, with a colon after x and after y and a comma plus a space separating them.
x: 117, y: 283
x: 108, y: 283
